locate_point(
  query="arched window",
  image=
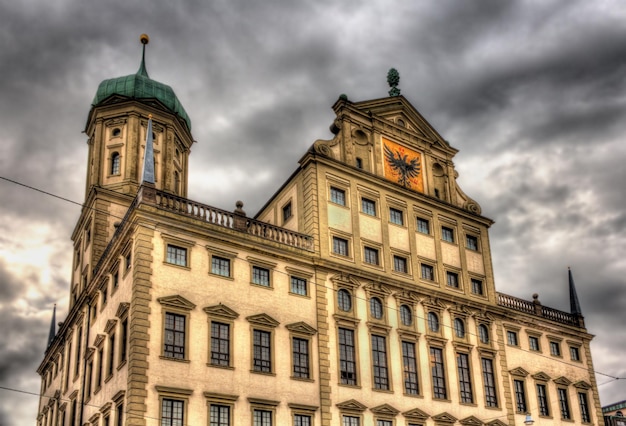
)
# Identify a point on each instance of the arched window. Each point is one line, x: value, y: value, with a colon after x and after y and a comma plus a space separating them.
x: 116, y: 132
x: 459, y: 328
x: 115, y: 163
x: 376, y: 308
x: 344, y: 300
x: 433, y: 322
x: 483, y: 333
x: 406, y: 316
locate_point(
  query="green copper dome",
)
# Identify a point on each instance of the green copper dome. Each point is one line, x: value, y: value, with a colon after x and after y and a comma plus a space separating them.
x: 141, y: 86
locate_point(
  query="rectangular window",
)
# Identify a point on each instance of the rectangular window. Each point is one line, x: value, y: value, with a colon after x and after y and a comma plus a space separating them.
x: 423, y: 226
x: 533, y: 343
x: 584, y: 407
x: 298, y: 286
x: 465, y: 381
x: 340, y: 246
x: 174, y: 336
x: 220, y: 266
x: 176, y: 255
x: 428, y: 273
x: 111, y: 355
x: 262, y: 418
x: 105, y: 294
x: 555, y: 349
x: 447, y: 234
x: 477, y: 287
x: 262, y: 351
x: 172, y: 412
x: 88, y: 378
x: 520, y: 396
x: 491, y: 398
x: 123, y: 340
x: 261, y: 276
x: 384, y: 423
x: 79, y: 341
x: 471, y: 242
x: 128, y: 260
x: 438, y: 373
x: 338, y: 196
x: 542, y: 399
x: 219, y: 415
x: 301, y: 420
x: 379, y: 361
x: 574, y: 353
x: 300, y: 352
x: 452, y: 279
x: 400, y: 264
x: 396, y: 216
x: 347, y: 357
x: 564, y: 404
x: 286, y: 212
x: 368, y: 206
x: 409, y: 363
x: 220, y: 344
x: 370, y: 255
x: 116, y: 279
x: 351, y: 421
x: 511, y: 338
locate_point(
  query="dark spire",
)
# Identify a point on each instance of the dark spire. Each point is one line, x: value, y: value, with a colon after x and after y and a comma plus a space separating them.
x: 53, y: 331
x: 142, y: 68
x: 147, y: 175
x: 573, y: 298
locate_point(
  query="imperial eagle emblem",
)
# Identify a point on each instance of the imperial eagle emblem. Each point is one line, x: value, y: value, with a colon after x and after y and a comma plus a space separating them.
x: 405, y: 168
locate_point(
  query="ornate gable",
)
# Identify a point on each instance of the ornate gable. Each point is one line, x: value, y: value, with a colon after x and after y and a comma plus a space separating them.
x: 385, y: 410
x: 176, y: 301
x: 263, y: 320
x: 221, y: 311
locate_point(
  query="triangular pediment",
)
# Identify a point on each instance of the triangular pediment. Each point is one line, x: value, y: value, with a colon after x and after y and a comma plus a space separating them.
x: 519, y: 371
x: 403, y: 118
x: 471, y: 421
x: 582, y: 385
x: 222, y: 311
x: 301, y: 327
x: 444, y: 418
x: 496, y: 423
x: 99, y: 339
x: 416, y: 414
x: 263, y: 320
x: 385, y: 410
x: 176, y: 301
x: 541, y: 376
x: 351, y: 405
x: 110, y: 325
x: 122, y: 309
x: 563, y: 381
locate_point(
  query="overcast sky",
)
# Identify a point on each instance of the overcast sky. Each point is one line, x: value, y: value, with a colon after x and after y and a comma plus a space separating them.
x: 532, y: 93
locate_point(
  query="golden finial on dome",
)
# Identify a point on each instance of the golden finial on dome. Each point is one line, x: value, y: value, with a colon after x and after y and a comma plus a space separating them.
x: 144, y: 39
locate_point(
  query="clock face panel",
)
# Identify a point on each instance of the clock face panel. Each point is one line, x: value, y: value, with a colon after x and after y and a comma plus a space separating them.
x: 403, y: 165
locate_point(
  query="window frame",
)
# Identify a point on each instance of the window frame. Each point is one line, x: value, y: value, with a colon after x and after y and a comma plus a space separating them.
x: 349, y: 348
x: 369, y: 207
x: 447, y: 234
x: 410, y: 371
x: 381, y: 374
x: 422, y: 225
x: 543, y: 401
x: 464, y: 374
x: 340, y: 242
x: 341, y: 301
x: 471, y: 242
x: 490, y: 383
x: 178, y: 307
x: 532, y: 339
x: 512, y: 338
x: 564, y: 404
x: 477, y: 284
x: 484, y: 334
x: 574, y: 353
x: 400, y: 264
x: 453, y: 280
x: 431, y: 269
x: 185, y: 333
x: 438, y: 373
x: 555, y: 348
x: 166, y: 393
x: 260, y: 276
x: 287, y: 211
x: 261, y: 369
x: 337, y: 196
x: 396, y: 216
x: 371, y: 256
x: 179, y: 244
x: 223, y: 401
x: 223, y: 315
x: 377, y: 308
x: 115, y: 164
x: 519, y: 396
x: 218, y: 360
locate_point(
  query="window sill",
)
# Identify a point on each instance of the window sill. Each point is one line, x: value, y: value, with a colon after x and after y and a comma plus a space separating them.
x: 170, y: 264
x: 305, y: 296
x: 349, y: 386
x: 302, y: 379
x: 225, y: 277
x: 222, y: 367
x: 267, y: 287
x: 120, y: 365
x: 167, y: 358
x: 263, y: 373
x: 382, y: 390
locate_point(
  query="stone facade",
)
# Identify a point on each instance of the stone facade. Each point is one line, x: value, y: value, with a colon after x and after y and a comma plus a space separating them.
x: 362, y: 293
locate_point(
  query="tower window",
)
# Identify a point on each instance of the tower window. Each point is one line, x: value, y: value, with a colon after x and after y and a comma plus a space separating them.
x: 359, y: 163
x: 116, y: 132
x: 115, y: 163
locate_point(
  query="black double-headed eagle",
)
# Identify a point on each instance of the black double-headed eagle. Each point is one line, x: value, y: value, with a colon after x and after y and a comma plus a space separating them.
x: 405, y: 168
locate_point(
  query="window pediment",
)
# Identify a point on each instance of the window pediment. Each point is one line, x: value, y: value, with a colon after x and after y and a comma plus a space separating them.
x: 471, y: 421
x: 176, y: 301
x: 100, y: 338
x: 541, y: 376
x: 563, y: 381
x: 416, y: 414
x: 519, y: 371
x: 444, y: 418
x: 110, y: 326
x: 351, y: 405
x: 582, y: 385
x: 301, y: 327
x: 496, y: 423
x: 222, y: 311
x: 385, y: 410
x: 263, y: 320
x: 122, y: 309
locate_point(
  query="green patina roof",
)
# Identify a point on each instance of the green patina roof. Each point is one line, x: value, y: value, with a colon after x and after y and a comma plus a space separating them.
x: 141, y: 86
